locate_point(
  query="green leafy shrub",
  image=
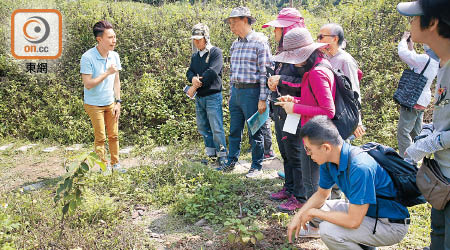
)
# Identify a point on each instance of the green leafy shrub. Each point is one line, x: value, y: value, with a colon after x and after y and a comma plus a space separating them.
x: 209, y: 195
x: 8, y: 224
x: 96, y: 208
x: 69, y: 192
x: 242, y: 231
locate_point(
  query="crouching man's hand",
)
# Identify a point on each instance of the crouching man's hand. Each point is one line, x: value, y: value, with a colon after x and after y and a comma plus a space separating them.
x: 299, y: 221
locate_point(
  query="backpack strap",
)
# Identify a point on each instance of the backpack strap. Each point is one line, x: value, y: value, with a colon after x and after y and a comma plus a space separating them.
x: 310, y: 89
x: 309, y: 83
x: 353, y: 153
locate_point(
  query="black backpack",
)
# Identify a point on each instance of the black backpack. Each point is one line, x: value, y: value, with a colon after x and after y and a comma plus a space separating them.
x: 346, y: 117
x: 402, y: 173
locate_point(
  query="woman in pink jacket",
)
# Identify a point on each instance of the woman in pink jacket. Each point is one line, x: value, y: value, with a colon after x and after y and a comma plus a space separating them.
x: 317, y: 94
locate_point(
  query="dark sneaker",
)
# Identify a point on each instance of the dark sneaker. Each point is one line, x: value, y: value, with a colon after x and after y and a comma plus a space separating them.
x: 227, y: 167
x: 279, y: 196
x: 253, y: 173
x: 221, y: 161
x: 290, y: 205
x: 269, y: 156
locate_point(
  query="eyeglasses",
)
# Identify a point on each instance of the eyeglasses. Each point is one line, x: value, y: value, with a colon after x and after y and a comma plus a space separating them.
x: 411, y: 18
x: 320, y: 36
x: 308, y: 150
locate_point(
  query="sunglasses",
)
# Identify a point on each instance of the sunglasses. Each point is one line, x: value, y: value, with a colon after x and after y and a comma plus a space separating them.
x: 320, y: 36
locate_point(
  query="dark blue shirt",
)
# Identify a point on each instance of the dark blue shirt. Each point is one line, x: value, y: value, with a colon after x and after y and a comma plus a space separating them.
x: 365, y: 179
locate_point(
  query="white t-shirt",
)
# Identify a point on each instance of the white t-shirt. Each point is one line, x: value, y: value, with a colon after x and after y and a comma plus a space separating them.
x: 347, y: 64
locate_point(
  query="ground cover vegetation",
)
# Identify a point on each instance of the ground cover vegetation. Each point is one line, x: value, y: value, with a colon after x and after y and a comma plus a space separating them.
x: 155, y: 51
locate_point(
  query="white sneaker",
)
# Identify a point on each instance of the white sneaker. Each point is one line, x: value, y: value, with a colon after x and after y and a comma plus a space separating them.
x: 311, y: 232
x: 253, y: 173
x: 116, y: 167
x: 108, y: 170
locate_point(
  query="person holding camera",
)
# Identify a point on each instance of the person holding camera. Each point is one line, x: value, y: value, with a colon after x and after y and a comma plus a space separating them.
x: 430, y: 24
x: 410, y: 120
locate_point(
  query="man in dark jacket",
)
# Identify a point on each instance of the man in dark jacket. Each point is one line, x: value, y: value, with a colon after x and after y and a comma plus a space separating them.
x: 205, y: 74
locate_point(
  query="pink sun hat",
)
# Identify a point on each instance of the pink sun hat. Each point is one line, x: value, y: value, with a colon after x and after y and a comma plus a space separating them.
x: 286, y: 18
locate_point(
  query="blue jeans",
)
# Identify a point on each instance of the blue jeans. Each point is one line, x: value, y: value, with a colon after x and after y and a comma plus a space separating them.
x: 440, y: 228
x: 210, y: 124
x: 243, y: 104
x: 290, y: 150
x: 409, y: 126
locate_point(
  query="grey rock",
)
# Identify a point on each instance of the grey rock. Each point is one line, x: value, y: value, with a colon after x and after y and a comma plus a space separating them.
x: 126, y: 150
x: 26, y: 147
x: 161, y: 149
x: 5, y: 147
x: 75, y: 147
x: 155, y: 235
x: 201, y: 222
x: 49, y: 150
x: 34, y: 186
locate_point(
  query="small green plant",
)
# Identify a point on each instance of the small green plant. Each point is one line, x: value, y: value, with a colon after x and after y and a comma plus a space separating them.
x: 242, y: 231
x: 282, y: 218
x: 7, y: 225
x: 69, y: 191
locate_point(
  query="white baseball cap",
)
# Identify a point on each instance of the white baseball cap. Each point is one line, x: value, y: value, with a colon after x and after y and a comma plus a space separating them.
x: 410, y: 9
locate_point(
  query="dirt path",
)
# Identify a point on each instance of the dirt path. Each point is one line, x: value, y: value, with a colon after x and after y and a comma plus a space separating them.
x: 33, y: 168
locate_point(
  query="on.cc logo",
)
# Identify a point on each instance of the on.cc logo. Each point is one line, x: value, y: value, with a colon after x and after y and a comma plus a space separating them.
x: 36, y: 34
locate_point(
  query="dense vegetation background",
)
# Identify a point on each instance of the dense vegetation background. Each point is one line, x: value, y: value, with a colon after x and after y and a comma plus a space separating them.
x: 173, y: 189
x: 154, y: 46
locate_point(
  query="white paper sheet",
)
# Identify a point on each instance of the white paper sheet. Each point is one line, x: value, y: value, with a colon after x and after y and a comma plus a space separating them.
x: 291, y: 123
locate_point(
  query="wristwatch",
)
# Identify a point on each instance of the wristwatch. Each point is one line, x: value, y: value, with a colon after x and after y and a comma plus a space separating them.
x: 118, y: 101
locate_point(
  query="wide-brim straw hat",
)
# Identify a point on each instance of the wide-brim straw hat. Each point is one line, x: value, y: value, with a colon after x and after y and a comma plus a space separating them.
x: 298, y: 45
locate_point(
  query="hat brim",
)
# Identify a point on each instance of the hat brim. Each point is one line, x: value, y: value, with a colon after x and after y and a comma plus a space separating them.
x: 299, y: 55
x: 252, y: 19
x: 197, y: 37
x: 279, y: 23
x: 410, y: 9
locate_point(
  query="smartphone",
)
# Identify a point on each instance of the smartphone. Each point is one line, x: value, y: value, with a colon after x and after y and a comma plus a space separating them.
x: 272, y: 100
x: 409, y: 39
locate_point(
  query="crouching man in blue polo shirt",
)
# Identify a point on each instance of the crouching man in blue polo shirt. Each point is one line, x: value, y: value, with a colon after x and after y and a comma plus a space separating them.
x: 340, y: 224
